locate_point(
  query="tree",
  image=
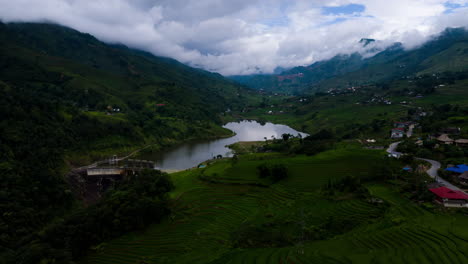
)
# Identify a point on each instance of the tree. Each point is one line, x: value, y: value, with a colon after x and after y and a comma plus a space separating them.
x: 263, y: 171
x: 279, y: 172
x: 286, y: 136
x: 234, y: 159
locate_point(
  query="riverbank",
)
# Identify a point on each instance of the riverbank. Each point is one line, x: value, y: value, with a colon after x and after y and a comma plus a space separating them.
x: 192, y: 153
x: 82, y: 158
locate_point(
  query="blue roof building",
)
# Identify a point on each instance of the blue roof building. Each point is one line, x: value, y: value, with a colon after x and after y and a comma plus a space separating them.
x: 458, y: 169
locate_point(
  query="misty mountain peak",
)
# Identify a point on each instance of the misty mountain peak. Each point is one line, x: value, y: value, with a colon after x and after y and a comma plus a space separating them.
x: 366, y: 41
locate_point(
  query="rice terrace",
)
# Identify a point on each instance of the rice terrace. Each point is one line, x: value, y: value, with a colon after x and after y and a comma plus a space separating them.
x: 230, y: 220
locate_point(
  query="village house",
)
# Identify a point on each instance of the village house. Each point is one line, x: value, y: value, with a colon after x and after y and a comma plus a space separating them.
x: 400, y: 124
x: 450, y: 198
x: 398, y: 133
x: 445, y: 139
x: 463, y: 178
x: 462, y: 168
x: 461, y: 142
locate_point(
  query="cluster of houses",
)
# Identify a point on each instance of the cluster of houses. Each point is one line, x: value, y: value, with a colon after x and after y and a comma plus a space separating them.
x: 337, y: 91
x: 380, y: 100
x: 377, y: 100
x: 275, y: 113
x: 445, y: 138
x: 400, y: 129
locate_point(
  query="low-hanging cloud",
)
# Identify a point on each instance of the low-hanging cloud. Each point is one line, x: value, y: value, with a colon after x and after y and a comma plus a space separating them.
x: 246, y: 36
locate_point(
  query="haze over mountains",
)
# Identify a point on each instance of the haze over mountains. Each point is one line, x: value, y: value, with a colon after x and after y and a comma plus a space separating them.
x: 447, y: 52
x: 246, y: 36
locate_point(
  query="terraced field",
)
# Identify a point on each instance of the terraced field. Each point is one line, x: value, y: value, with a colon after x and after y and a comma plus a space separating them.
x: 207, y: 216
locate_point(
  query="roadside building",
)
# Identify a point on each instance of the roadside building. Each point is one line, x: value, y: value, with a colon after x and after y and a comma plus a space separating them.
x: 450, y: 198
x: 445, y: 139
x: 463, y: 178
x: 400, y: 124
x: 462, y: 168
x: 398, y: 133
x: 461, y: 142
x: 407, y: 168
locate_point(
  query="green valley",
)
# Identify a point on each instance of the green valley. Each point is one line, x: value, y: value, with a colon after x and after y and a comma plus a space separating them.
x: 296, y: 220
x: 384, y: 134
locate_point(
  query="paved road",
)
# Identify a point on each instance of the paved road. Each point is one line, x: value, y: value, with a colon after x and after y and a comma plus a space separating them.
x: 392, y: 149
x: 409, y: 133
x: 432, y: 172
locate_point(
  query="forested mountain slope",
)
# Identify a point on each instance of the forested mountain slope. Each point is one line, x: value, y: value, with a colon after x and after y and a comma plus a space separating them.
x: 150, y: 94
x: 65, y: 96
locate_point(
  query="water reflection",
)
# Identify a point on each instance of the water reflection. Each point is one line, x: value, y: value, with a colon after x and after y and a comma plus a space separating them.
x: 191, y: 154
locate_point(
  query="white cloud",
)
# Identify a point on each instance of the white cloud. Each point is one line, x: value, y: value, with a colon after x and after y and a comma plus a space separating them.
x: 245, y: 36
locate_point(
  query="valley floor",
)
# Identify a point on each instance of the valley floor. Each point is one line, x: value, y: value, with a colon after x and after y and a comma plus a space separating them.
x: 227, y: 214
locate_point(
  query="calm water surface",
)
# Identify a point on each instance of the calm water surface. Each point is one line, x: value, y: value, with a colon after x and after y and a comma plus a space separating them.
x: 191, y: 154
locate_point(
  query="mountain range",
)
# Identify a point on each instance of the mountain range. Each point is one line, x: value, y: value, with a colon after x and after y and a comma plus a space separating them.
x: 444, y: 53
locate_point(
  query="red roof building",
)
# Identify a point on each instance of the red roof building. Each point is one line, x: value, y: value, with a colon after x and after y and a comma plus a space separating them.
x: 450, y: 198
x: 444, y: 192
x: 397, y: 133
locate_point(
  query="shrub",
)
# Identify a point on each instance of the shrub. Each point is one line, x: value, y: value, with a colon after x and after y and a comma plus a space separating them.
x: 275, y: 172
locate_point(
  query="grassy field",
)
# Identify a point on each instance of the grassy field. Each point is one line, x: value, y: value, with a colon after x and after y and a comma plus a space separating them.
x: 215, y: 206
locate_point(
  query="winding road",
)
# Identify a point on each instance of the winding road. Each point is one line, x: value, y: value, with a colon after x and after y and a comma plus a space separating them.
x: 432, y: 172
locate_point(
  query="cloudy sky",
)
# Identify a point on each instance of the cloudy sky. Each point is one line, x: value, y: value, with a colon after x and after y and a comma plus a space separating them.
x: 246, y: 36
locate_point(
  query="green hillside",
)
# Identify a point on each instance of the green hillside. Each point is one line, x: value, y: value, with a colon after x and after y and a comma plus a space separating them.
x: 313, y: 74
x: 68, y: 99
x: 159, y: 99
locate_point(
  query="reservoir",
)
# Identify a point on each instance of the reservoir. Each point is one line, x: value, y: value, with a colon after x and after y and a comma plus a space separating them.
x: 191, y: 154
